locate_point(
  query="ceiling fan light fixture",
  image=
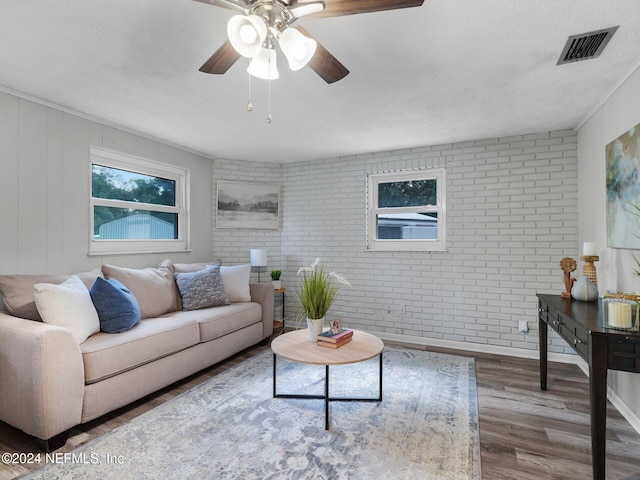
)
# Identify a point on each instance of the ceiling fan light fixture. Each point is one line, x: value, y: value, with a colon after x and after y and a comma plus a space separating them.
x: 264, y: 65
x: 298, y: 48
x: 246, y: 34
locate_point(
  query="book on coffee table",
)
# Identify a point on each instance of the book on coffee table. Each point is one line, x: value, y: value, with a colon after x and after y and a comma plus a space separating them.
x: 327, y: 336
x: 345, y: 340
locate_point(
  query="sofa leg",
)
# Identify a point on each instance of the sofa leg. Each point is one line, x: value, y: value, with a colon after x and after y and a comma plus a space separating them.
x: 265, y: 342
x: 54, y: 442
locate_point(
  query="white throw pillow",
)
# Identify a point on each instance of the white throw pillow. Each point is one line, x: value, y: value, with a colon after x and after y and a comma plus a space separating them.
x: 68, y: 305
x: 236, y: 282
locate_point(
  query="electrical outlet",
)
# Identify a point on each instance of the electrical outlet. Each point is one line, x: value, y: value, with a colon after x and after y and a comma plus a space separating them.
x: 523, y: 327
x: 388, y: 309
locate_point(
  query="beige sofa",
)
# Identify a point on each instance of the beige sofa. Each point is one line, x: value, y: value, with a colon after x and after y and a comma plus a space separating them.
x: 51, y: 383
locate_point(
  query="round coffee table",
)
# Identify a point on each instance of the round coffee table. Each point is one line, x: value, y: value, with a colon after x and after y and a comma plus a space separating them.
x: 295, y: 346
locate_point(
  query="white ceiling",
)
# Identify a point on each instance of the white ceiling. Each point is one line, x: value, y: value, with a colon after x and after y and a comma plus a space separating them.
x: 444, y: 72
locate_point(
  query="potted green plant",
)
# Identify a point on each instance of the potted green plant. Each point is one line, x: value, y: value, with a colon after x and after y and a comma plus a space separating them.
x: 275, y: 279
x: 316, y: 294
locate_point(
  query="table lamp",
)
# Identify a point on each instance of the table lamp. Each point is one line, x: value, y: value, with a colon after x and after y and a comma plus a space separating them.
x: 258, y: 260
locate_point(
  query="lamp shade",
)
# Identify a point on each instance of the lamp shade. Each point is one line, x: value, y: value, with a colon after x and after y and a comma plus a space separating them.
x: 258, y: 257
x: 246, y: 34
x: 297, y: 48
x: 264, y: 65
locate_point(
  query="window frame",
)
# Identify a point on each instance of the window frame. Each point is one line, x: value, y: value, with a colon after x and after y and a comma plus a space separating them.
x: 122, y: 161
x: 406, y: 245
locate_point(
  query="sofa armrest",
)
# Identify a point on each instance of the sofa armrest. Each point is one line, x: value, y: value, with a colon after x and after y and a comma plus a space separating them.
x: 42, y: 377
x: 262, y: 293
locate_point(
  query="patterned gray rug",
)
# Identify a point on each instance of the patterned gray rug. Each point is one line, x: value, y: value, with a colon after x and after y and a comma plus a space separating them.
x: 230, y: 427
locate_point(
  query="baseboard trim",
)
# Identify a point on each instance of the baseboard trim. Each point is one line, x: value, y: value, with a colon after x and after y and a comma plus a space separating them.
x: 624, y: 410
x: 476, y: 347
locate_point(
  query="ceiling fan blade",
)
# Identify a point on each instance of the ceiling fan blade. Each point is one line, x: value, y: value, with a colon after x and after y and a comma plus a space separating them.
x: 307, y: 8
x: 337, y: 8
x: 221, y: 60
x: 237, y: 5
x: 325, y: 64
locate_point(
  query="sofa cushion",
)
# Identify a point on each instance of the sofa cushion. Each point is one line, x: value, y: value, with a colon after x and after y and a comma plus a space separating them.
x: 17, y: 291
x: 236, y: 282
x: 108, y: 355
x: 201, y: 289
x: 68, y: 305
x: 193, y: 267
x: 117, y: 308
x: 154, y: 288
x: 219, y: 321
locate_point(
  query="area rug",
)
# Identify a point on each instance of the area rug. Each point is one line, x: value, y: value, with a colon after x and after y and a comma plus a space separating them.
x: 231, y: 427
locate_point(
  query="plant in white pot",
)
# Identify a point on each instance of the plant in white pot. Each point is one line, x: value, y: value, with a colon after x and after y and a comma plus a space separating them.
x: 316, y: 294
x: 275, y: 279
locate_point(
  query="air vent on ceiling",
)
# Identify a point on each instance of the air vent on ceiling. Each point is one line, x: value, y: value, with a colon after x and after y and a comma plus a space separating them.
x: 586, y: 46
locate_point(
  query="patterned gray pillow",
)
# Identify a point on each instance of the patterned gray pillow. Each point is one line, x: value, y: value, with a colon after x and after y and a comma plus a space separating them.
x: 201, y: 289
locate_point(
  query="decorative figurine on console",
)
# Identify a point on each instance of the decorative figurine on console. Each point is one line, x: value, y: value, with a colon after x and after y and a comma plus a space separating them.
x: 568, y: 265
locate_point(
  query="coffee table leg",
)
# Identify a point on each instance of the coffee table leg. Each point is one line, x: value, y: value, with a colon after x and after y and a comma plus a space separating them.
x: 326, y: 398
x: 274, y: 375
x: 380, y: 397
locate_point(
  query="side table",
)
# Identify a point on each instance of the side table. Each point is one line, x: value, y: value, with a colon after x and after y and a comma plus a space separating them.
x: 279, y: 295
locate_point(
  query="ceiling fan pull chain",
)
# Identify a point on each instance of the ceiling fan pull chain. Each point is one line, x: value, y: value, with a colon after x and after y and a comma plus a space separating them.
x: 249, y: 105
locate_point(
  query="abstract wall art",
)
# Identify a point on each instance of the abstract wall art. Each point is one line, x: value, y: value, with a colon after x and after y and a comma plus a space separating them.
x: 623, y: 190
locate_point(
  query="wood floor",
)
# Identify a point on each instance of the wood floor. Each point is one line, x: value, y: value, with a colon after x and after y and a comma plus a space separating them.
x: 525, y: 433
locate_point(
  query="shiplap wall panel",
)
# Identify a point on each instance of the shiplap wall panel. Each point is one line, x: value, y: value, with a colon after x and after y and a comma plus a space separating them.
x: 202, y: 210
x: 77, y: 138
x: 32, y: 185
x: 55, y: 205
x: 9, y: 108
x: 107, y: 139
x: 45, y: 188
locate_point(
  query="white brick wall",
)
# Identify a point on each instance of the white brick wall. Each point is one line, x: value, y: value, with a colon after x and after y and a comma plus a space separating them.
x: 511, y: 217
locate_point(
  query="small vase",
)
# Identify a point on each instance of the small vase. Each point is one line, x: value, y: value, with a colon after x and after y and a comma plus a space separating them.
x: 584, y: 290
x: 314, y: 326
x: 277, y: 284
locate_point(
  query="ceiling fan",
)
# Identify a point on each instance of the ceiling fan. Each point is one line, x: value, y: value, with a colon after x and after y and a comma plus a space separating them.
x: 265, y: 23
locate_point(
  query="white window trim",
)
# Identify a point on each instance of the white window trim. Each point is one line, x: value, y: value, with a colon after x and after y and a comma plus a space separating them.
x: 181, y: 176
x: 417, y: 245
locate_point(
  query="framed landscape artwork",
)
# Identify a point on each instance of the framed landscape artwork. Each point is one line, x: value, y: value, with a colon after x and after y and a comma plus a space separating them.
x: 248, y: 205
x: 623, y: 190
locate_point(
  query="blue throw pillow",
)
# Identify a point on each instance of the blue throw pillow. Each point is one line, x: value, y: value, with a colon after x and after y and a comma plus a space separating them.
x: 117, y: 308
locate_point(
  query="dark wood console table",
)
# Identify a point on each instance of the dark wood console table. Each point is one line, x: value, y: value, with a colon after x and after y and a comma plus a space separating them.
x: 580, y: 324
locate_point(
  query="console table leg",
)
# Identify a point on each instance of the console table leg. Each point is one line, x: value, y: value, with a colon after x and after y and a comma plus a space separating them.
x: 598, y: 397
x: 542, y: 333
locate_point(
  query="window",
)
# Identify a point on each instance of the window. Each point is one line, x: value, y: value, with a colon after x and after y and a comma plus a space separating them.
x: 137, y: 205
x: 406, y: 210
